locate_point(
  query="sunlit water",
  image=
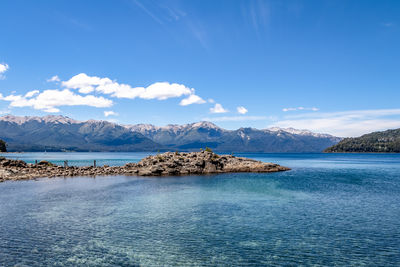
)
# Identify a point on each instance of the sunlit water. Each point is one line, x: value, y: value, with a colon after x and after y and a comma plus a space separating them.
x: 331, y: 209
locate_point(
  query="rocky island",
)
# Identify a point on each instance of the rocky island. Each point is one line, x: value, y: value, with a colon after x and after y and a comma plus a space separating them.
x: 166, y: 164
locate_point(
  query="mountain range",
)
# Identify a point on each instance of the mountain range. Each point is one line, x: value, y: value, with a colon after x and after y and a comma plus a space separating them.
x: 59, y: 133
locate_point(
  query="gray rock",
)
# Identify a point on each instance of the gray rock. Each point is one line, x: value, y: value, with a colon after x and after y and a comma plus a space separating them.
x: 169, y: 163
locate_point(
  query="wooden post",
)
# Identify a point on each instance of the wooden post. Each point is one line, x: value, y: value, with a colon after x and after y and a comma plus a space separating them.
x: 35, y: 162
x: 94, y: 163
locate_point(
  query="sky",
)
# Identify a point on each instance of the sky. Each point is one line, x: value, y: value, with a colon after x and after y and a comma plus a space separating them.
x: 327, y: 66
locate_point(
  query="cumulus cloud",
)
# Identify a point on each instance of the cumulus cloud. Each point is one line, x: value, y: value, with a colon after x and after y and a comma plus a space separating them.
x: 344, y: 124
x: 49, y: 100
x: 110, y: 113
x: 165, y: 90
x: 85, y: 83
x: 218, y: 108
x: 300, y: 108
x: 159, y: 90
x: 3, y: 67
x: 242, y: 110
x: 55, y: 78
x: 192, y: 99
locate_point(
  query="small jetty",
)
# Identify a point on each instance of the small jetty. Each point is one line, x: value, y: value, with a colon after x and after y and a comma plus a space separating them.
x: 166, y: 164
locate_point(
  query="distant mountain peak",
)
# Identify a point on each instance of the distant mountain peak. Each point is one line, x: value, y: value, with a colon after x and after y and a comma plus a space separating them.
x: 59, y: 119
x: 172, y: 127
x: 297, y: 131
x: 205, y: 124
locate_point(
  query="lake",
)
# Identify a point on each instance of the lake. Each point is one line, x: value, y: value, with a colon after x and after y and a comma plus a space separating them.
x: 330, y: 209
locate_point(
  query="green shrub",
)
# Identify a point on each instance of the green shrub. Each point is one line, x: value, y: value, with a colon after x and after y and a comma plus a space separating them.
x: 3, y: 146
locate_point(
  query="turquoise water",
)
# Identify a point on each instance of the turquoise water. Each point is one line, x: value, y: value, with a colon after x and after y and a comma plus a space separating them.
x: 331, y: 209
x: 80, y: 158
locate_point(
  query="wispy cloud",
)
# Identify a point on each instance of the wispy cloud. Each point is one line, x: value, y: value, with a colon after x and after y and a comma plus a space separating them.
x: 171, y: 14
x: 388, y: 24
x: 198, y: 31
x: 55, y: 78
x: 235, y: 118
x: 148, y: 12
x: 299, y: 108
x: 257, y: 13
x: 77, y: 23
x: 345, y: 123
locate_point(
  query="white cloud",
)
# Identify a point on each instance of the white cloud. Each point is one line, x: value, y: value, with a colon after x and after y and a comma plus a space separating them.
x: 159, y: 90
x: 31, y: 93
x: 110, y: 113
x: 236, y: 118
x: 242, y: 110
x: 210, y: 100
x: 55, y: 78
x: 344, y: 124
x: 218, y: 108
x: 165, y: 90
x: 3, y: 68
x: 85, y: 83
x: 49, y: 100
x: 300, y: 108
x: 192, y: 99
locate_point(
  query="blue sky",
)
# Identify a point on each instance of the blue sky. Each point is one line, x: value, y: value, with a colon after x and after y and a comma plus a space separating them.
x: 327, y: 66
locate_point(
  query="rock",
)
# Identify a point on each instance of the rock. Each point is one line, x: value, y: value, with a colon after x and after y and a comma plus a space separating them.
x: 209, y: 168
x: 156, y: 170
x: 205, y: 162
x: 45, y: 163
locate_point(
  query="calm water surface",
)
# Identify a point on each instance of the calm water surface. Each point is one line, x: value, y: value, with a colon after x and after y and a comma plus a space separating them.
x: 331, y: 209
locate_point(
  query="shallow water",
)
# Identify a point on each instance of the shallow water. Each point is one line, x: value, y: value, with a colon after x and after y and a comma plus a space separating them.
x: 331, y: 209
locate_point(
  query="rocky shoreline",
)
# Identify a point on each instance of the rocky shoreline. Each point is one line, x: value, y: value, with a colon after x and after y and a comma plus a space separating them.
x: 166, y: 164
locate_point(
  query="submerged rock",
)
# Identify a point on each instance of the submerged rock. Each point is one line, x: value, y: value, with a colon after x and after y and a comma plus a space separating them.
x: 166, y: 164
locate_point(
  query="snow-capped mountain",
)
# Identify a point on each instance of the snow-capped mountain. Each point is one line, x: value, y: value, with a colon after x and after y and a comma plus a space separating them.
x: 298, y: 132
x: 46, y: 119
x: 58, y: 133
x: 198, y: 135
